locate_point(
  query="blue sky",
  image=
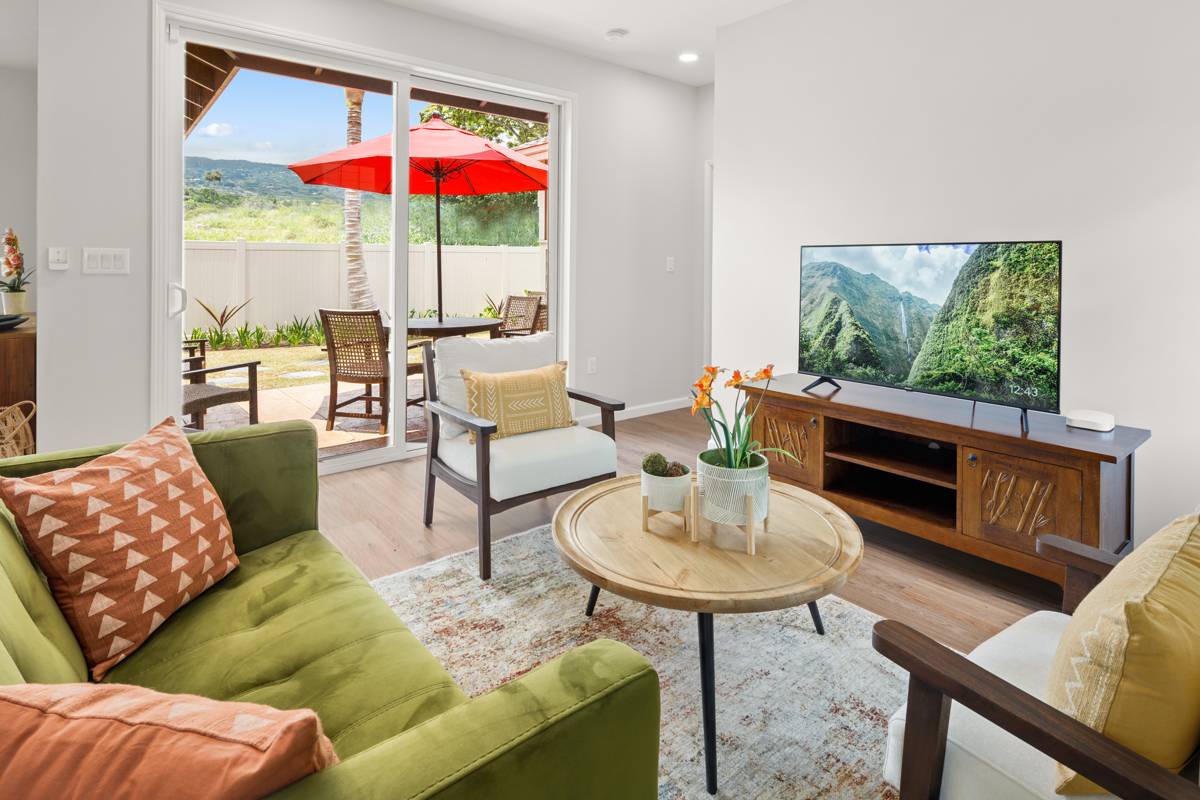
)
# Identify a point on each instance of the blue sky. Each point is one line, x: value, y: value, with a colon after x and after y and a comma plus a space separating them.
x: 261, y: 117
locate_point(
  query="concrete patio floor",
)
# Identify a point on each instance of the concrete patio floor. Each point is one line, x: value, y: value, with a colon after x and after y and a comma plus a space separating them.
x: 310, y: 402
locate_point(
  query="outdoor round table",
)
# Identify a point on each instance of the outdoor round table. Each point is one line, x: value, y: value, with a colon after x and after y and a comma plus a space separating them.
x: 431, y: 328
x: 808, y: 552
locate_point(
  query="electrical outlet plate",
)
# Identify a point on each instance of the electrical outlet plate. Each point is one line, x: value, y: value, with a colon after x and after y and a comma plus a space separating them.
x: 106, y: 261
x: 58, y: 258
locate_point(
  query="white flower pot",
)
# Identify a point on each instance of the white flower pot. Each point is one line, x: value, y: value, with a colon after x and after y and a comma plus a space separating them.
x: 723, y: 491
x: 666, y: 494
x: 14, y: 302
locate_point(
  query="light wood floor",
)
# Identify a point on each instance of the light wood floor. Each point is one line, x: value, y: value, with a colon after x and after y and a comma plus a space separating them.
x: 374, y: 515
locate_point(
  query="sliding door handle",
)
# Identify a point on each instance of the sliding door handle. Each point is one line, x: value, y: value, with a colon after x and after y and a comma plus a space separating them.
x: 183, y: 298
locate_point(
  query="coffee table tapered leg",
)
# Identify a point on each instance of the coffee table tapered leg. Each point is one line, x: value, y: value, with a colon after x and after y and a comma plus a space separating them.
x: 708, y: 700
x: 816, y: 615
x: 591, y: 606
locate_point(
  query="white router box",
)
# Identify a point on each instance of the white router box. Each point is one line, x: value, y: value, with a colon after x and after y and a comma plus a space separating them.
x: 1091, y: 420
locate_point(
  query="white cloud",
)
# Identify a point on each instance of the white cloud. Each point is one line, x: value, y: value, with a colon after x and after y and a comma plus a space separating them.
x: 217, y: 129
x: 263, y: 146
x: 927, y: 272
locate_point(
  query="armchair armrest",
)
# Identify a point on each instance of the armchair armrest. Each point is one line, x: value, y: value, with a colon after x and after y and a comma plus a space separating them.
x: 608, y: 409
x: 584, y: 725
x: 1085, y: 566
x: 251, y: 365
x: 481, y: 426
x: 605, y: 403
x: 938, y: 675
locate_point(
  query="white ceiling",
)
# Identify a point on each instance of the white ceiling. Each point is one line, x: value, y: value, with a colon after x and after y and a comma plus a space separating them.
x: 658, y: 29
x: 18, y: 33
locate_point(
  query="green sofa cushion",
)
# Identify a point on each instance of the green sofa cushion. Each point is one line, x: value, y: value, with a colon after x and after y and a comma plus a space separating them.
x: 36, y: 644
x: 297, y: 626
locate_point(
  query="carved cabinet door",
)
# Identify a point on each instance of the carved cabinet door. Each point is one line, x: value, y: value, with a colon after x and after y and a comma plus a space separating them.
x: 1010, y: 501
x: 799, y: 433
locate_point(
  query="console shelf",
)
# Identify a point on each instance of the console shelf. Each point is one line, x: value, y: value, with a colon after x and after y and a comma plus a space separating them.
x: 934, y: 468
x: 961, y: 474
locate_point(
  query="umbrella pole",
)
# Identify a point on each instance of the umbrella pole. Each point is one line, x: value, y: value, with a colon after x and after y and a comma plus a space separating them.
x: 437, y: 224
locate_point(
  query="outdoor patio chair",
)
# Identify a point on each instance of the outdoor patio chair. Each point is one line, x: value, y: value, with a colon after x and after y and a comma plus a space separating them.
x: 356, y: 342
x: 508, y: 472
x: 520, y: 315
x: 199, y: 395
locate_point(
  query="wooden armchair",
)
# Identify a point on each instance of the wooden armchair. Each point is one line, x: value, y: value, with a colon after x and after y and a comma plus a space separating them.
x: 985, y: 683
x: 509, y: 472
x: 520, y: 315
x: 356, y: 342
x: 199, y: 395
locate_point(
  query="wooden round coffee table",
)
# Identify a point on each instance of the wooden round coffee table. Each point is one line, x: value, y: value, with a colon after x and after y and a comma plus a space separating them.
x: 809, y: 551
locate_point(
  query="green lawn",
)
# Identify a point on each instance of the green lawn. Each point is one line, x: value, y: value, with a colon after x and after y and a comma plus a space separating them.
x: 278, y: 362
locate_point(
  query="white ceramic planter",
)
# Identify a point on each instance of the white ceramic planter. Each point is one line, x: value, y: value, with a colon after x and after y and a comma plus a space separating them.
x: 14, y: 302
x: 723, y: 491
x: 666, y: 494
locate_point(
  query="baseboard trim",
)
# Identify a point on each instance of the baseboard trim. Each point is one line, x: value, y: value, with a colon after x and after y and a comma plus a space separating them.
x: 643, y: 410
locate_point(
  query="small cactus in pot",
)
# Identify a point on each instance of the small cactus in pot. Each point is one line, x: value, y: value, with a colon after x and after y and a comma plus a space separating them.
x: 666, y: 484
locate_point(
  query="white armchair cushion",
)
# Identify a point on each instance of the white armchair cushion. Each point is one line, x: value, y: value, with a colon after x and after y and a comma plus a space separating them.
x: 535, y: 461
x: 983, y: 761
x: 456, y: 353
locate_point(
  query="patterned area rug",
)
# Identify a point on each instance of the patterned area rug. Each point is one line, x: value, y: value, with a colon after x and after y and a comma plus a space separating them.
x: 798, y: 715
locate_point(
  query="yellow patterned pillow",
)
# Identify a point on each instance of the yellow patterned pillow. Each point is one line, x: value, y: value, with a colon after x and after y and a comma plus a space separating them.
x: 520, y: 402
x: 1128, y: 663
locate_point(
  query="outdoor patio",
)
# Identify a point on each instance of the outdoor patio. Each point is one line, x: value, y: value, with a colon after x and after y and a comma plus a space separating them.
x: 294, y: 385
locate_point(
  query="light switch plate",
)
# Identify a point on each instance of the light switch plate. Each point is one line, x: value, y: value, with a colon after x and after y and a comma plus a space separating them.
x: 58, y: 258
x: 106, y: 261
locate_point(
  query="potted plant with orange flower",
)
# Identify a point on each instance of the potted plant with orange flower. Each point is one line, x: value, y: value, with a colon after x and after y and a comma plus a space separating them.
x: 13, y: 276
x: 736, y: 468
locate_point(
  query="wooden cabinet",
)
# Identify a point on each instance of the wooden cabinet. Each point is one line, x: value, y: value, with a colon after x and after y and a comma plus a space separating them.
x: 960, y: 474
x: 1010, y: 501
x: 796, y: 432
x: 18, y: 363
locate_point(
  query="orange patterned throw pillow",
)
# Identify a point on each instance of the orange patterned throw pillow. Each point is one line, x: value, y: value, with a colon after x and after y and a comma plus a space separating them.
x: 80, y: 740
x: 124, y: 540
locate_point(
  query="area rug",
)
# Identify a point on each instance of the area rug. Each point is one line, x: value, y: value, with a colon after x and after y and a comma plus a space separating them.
x: 798, y: 715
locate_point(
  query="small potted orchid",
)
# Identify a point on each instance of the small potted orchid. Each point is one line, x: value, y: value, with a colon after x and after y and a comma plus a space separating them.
x: 736, y: 468
x: 13, y: 277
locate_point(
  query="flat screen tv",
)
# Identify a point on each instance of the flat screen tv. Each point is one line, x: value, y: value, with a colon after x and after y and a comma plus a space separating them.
x: 979, y: 321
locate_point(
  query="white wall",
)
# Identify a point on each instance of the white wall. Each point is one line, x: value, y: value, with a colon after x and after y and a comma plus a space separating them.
x: 637, y: 198
x: 938, y: 120
x: 18, y: 176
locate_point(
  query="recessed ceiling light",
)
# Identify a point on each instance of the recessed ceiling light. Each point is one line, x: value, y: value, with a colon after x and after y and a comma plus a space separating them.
x: 688, y: 57
x: 615, y: 34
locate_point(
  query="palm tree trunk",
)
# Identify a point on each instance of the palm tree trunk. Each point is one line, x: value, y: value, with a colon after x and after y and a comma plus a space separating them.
x: 356, y: 271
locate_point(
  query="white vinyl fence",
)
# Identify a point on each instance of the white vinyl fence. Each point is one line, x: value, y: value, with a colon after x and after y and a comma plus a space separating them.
x: 286, y: 280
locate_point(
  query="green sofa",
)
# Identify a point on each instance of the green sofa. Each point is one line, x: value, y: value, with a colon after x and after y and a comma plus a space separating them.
x: 296, y: 625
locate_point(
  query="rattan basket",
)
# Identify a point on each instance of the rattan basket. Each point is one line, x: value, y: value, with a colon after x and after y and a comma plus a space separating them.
x: 16, y: 434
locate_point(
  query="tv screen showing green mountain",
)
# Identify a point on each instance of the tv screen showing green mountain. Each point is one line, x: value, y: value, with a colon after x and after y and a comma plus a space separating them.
x: 979, y: 321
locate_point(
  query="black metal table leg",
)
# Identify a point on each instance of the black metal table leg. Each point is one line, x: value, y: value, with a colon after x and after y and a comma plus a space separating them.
x: 708, y: 700
x: 816, y: 615
x: 591, y: 606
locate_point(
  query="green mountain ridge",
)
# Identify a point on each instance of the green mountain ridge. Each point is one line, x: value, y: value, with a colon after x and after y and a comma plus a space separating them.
x: 895, y: 323
x: 996, y: 336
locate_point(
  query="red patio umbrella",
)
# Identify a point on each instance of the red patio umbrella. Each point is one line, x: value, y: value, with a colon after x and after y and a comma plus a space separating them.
x: 442, y: 159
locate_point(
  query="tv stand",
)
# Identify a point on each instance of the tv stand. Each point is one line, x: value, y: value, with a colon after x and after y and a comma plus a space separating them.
x: 964, y: 475
x: 820, y: 381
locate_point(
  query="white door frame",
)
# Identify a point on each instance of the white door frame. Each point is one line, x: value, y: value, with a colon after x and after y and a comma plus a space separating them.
x: 173, y: 26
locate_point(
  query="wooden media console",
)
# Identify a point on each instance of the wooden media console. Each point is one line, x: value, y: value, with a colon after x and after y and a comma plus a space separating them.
x: 958, y: 473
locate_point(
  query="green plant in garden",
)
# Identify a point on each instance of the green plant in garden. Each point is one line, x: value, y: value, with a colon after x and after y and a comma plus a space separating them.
x: 244, y: 335
x: 225, y: 315
x: 491, y: 309
x: 260, y: 336
x: 426, y: 314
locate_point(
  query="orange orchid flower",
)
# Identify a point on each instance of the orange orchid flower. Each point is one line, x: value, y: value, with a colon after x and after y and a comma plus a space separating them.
x: 735, y: 380
x: 765, y: 374
x: 701, y: 401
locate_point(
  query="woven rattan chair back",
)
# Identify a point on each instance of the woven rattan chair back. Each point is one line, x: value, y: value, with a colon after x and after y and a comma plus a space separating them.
x: 16, y: 434
x: 520, y: 314
x: 357, y: 345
